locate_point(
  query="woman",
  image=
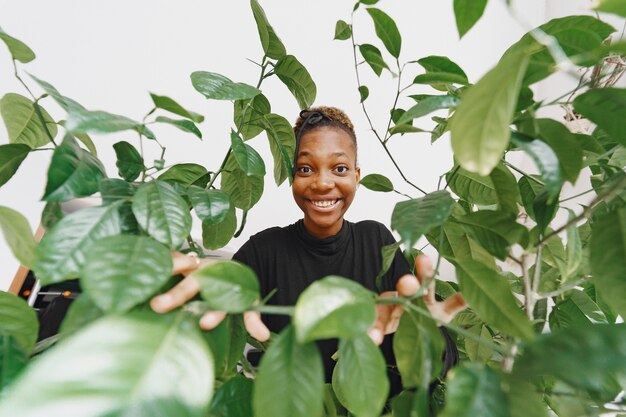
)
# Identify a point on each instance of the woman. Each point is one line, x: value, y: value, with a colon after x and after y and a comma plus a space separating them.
x: 288, y: 259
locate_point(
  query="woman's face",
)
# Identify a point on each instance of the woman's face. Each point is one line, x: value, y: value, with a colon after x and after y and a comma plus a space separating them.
x: 326, y: 179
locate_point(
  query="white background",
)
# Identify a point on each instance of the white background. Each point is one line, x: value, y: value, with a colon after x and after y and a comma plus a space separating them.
x: 109, y: 55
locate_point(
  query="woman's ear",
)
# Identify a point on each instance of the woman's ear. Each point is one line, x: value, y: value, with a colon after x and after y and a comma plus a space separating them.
x: 358, y: 175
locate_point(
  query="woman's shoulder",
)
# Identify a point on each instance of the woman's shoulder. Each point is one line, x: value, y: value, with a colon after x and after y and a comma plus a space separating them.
x: 370, y: 226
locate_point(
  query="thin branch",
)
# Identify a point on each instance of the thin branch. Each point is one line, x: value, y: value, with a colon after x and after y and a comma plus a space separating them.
x: 514, y: 168
x: 565, y: 288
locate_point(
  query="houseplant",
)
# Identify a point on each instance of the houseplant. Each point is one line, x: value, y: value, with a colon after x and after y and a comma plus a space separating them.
x: 131, y: 361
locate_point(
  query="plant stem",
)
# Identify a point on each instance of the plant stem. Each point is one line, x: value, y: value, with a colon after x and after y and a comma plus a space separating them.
x: 528, y: 290
x: 514, y: 168
x: 456, y: 169
x: 282, y: 310
x: 406, y: 195
x: 565, y: 288
x: 535, y: 283
x: 575, y: 196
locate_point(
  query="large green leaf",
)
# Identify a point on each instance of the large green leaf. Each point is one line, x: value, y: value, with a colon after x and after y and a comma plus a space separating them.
x: 85, y: 121
x: 471, y: 187
x: 186, y: 175
x: 606, y: 107
x: 523, y: 397
x: 18, y: 320
x: 545, y: 159
x: 418, y: 346
x: 574, y: 35
x: 282, y: 145
x: 139, y: 365
x: 373, y: 57
x: 386, y: 30
x: 233, y: 399
x: 506, y: 189
x: 290, y: 381
x: 211, y: 206
x: 13, y: 358
x: 388, y: 255
x: 577, y: 310
x: 361, y: 360
x: 553, y: 355
x: 497, y: 231
x: 617, y: 7
x: 162, y: 213
x: 129, y: 161
x: 73, y: 172
x: 467, y: 13
x: 61, y: 252
x: 184, y: 125
x: 456, y: 243
x: 272, y: 46
x: 65, y: 102
x: 435, y: 64
x: 217, y: 87
x: 246, y: 156
x: 166, y: 103
x: 18, y: 49
x: 343, y: 30
x: 488, y: 293
x: 476, y: 351
x: 22, y: 122
x: 252, y: 111
x: 18, y: 235
x: 427, y: 106
x: 413, y: 218
x: 245, y: 191
x: 608, y: 258
x: 11, y: 157
x: 227, y: 342
x: 333, y: 307
x: 437, y: 78
x: 215, y: 236
x: 228, y: 286
x: 122, y: 271
x: 574, y: 248
x: 377, y: 182
x: 297, y: 79
x: 480, y: 126
x: 475, y: 390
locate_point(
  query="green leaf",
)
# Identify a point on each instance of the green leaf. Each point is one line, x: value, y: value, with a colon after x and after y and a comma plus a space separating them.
x: 272, y: 46
x: 253, y: 110
x: 475, y: 390
x: 217, y: 87
x: 427, y: 106
x: 554, y: 353
x: 82, y: 312
x: 413, y: 218
x: 386, y: 30
x: 18, y: 235
x: 377, y: 182
x: 471, y: 187
x: 545, y: 159
x: 333, y: 307
x: 608, y: 258
x: 122, y: 271
x: 577, y: 310
x: 343, y: 30
x: 166, y: 103
x: 457, y: 244
x: 373, y: 57
x: 86, y: 140
x: 282, y: 145
x: 244, y: 191
x: 215, y: 236
x: 156, y: 367
x: 129, y: 161
x: 476, y: 351
x: 523, y: 398
x: 574, y: 248
x: 407, y: 128
x: 184, y: 125
x: 361, y: 360
x: 19, y: 320
x: 617, y: 7
x: 480, y: 126
x: 61, y: 252
x: 606, y: 107
x: 13, y: 358
x: 388, y: 254
x: 11, y: 157
x: 488, y: 293
x: 211, y: 206
x: 227, y: 342
x: 162, y: 213
x: 434, y: 78
x: 297, y: 79
x: 497, y: 231
x: 364, y: 92
x: 442, y: 64
x: 290, y: 380
x: 248, y: 159
x: 51, y: 214
x: 529, y: 191
x: 467, y: 13
x: 186, y: 175
x: 506, y: 189
x: 73, y: 172
x: 22, y: 122
x: 234, y: 398
x: 65, y: 102
x: 85, y: 121
x: 18, y: 49
x: 418, y: 346
x: 228, y: 286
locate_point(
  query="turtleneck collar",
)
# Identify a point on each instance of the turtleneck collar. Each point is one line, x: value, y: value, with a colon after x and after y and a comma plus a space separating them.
x: 325, y: 246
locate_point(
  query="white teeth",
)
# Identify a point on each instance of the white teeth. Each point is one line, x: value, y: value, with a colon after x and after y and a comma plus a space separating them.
x: 324, y: 203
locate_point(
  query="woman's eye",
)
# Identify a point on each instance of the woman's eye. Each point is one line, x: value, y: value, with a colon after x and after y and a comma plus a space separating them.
x: 304, y: 170
x: 342, y: 169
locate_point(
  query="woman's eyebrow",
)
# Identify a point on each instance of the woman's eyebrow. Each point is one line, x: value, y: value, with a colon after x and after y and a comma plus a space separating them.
x: 335, y: 154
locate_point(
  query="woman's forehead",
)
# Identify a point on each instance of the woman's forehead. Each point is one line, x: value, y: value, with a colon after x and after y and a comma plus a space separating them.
x: 327, y: 140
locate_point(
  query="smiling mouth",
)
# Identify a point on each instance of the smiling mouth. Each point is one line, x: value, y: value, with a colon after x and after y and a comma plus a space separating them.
x: 324, y: 203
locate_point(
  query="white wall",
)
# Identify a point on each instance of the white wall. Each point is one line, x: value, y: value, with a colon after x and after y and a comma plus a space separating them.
x: 108, y: 55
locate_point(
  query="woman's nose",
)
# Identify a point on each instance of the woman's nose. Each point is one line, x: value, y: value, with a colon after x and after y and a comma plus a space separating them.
x: 323, y: 182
